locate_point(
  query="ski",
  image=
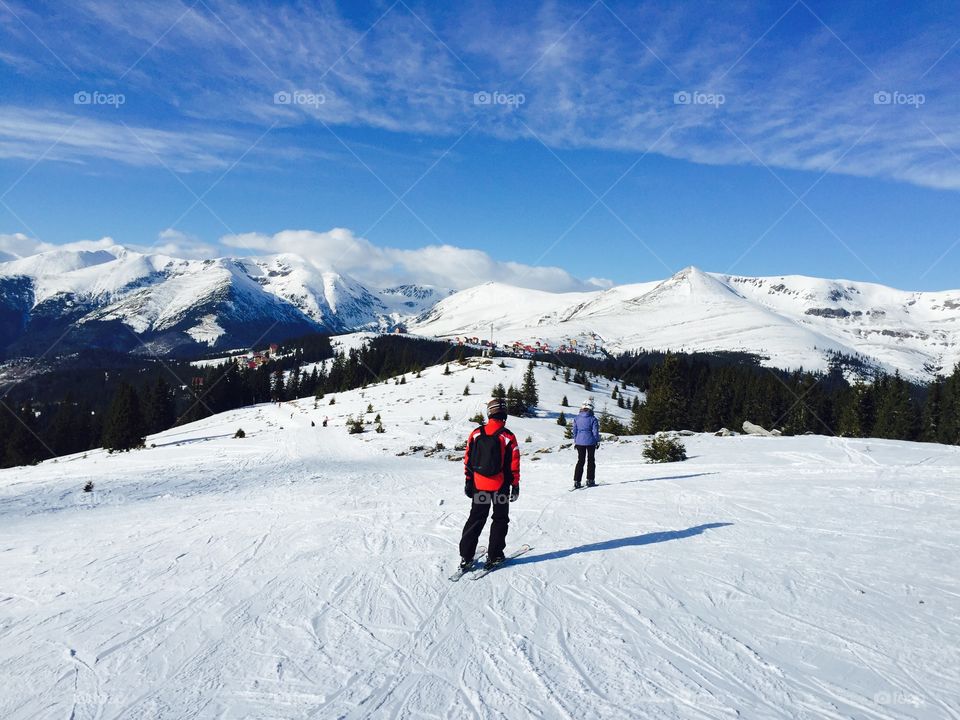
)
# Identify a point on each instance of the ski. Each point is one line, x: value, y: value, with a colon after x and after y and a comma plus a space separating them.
x: 584, y: 487
x: 460, y: 573
x: 506, y: 561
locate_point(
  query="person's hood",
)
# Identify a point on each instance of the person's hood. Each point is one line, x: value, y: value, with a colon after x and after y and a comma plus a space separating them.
x: 492, y: 425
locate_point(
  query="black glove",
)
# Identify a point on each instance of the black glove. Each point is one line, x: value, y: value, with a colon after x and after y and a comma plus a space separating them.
x: 514, y: 492
x: 468, y: 488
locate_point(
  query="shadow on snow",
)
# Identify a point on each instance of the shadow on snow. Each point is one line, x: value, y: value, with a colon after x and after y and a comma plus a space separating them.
x: 632, y: 541
x: 658, y: 479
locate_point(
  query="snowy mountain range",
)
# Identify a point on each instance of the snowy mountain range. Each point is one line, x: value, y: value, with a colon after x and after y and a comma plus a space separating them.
x: 156, y: 304
x: 790, y: 321
x: 151, y: 303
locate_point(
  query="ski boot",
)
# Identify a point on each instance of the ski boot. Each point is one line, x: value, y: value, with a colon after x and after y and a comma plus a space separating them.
x: 493, y: 561
x: 466, y: 564
x: 577, y: 485
x: 591, y: 483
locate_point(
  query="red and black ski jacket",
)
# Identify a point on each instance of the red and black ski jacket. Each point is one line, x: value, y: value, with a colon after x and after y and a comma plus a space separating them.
x: 510, y: 471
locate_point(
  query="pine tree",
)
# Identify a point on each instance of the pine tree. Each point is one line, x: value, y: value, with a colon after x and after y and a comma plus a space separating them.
x: 277, y: 391
x: 466, y: 390
x: 565, y: 402
x: 499, y: 392
x: 637, y: 419
x: 932, y: 412
x: 23, y: 446
x: 69, y: 430
x: 529, y: 390
x: 896, y: 413
x: 950, y: 416
x: 665, y: 408
x: 515, y: 403
x: 159, y: 411
x: 123, y: 429
x: 852, y: 404
x: 562, y: 419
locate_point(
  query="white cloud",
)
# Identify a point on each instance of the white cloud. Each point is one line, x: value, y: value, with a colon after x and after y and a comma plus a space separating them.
x: 442, y: 265
x: 18, y: 245
x: 179, y: 244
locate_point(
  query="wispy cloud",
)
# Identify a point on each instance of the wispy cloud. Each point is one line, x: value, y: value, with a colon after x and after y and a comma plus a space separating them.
x: 31, y: 133
x: 591, y: 76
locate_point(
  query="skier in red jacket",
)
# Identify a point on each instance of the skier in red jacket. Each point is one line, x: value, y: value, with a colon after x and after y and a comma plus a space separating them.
x: 492, y: 468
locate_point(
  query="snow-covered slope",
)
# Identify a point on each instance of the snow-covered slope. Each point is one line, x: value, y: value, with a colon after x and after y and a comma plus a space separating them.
x: 127, y: 300
x: 792, y: 321
x: 301, y: 572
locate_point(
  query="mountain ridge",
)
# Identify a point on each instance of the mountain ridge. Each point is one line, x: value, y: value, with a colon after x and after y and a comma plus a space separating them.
x: 159, y: 304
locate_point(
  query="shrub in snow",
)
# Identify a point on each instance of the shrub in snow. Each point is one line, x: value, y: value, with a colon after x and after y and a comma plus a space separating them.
x: 663, y: 449
x: 478, y: 418
x: 446, y: 415
x: 609, y: 424
x: 354, y: 425
x: 562, y: 419
x: 239, y: 433
x: 89, y: 486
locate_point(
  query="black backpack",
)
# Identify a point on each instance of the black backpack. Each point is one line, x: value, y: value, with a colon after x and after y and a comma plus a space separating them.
x: 486, y: 457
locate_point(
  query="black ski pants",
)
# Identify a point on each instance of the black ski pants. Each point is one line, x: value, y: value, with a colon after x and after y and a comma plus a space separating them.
x: 479, y: 509
x: 585, y: 452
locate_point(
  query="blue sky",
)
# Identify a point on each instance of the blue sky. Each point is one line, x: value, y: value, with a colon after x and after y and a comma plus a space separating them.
x: 556, y: 145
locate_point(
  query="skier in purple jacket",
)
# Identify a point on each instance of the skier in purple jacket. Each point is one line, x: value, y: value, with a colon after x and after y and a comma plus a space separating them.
x: 586, y: 437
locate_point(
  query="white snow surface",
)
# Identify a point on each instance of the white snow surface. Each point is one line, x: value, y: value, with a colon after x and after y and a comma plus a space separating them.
x: 302, y: 572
